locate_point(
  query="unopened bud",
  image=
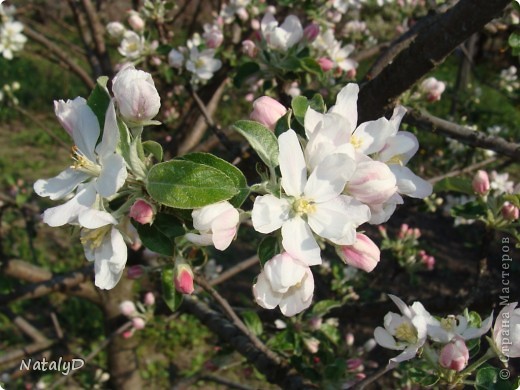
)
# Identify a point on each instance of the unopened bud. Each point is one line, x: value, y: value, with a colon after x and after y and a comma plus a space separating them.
x: 138, y: 323
x: 127, y: 308
x: 454, y: 355
x: 364, y: 254
x: 325, y: 63
x: 311, y: 32
x: 267, y: 111
x: 510, y: 211
x: 481, y: 183
x: 142, y: 212
x: 136, y: 22
x: 149, y: 299
x: 183, y: 278
x: 135, y: 272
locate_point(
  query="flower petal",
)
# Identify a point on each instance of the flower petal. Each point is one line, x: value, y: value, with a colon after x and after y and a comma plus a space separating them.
x: 328, y: 179
x: 373, y: 135
x: 312, y: 121
x: 297, y: 299
x: 61, y: 185
x: 298, y: 241
x: 408, y: 183
x: 110, y: 138
x: 402, y: 146
x: 85, y: 130
x: 269, y: 213
x: 283, y: 272
x: 346, y: 104
x: 94, y: 219
x: 385, y: 339
x: 263, y: 293
x: 292, y: 163
x: 69, y: 211
x: 112, y: 176
x: 200, y: 239
x: 110, y: 260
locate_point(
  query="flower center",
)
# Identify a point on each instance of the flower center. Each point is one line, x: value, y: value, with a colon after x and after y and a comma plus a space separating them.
x: 449, y: 323
x: 407, y: 333
x: 397, y: 159
x: 83, y: 164
x: 93, y: 238
x: 303, y: 206
x: 356, y: 141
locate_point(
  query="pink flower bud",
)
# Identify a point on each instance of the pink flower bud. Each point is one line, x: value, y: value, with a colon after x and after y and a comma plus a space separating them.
x: 138, y: 323
x: 267, y: 111
x: 183, y: 278
x: 481, y: 183
x: 128, y: 333
x: 249, y: 48
x: 355, y: 364
x: 454, y: 355
x: 510, y: 211
x: 311, y: 32
x: 127, y: 308
x: 372, y: 183
x: 136, y: 96
x: 315, y: 323
x: 325, y: 63
x: 142, y: 212
x: 429, y: 262
x: 136, y: 22
x: 416, y: 232
x: 432, y: 88
x: 149, y: 299
x: 135, y: 272
x: 364, y: 254
x: 255, y: 24
x: 242, y: 14
x: 351, y: 73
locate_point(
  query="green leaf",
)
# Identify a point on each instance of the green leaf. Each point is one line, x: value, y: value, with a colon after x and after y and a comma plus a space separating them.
x: 155, y: 240
x: 253, y: 322
x: 311, y: 66
x: 456, y: 184
x: 291, y: 64
x: 232, y: 172
x: 470, y: 210
x: 99, y: 100
x: 323, y: 307
x: 261, y: 139
x: 245, y: 71
x: 299, y: 105
x: 283, y: 124
x: 187, y: 185
x: 331, y: 332
x: 514, y: 40
x: 317, y: 103
x: 171, y: 296
x: 267, y: 249
x: 154, y: 148
x: 168, y: 225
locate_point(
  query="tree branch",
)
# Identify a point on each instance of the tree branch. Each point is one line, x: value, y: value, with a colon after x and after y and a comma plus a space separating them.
x: 429, y: 48
x: 275, y: 371
x: 425, y: 121
x: 60, y: 54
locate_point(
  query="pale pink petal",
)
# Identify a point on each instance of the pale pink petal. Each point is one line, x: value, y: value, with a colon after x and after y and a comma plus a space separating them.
x: 297, y: 299
x: 402, y: 146
x: 203, y: 218
x: 372, y: 135
x: 200, y: 239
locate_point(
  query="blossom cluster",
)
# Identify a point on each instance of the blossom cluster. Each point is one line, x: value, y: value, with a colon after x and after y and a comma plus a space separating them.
x: 343, y: 177
x: 444, y: 341
x: 99, y: 172
x: 12, y: 39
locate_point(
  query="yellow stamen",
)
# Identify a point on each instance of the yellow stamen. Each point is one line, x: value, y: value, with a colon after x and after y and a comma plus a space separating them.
x: 406, y: 332
x: 397, y: 159
x: 356, y: 141
x: 83, y: 164
x: 449, y: 323
x: 303, y: 206
x: 93, y: 238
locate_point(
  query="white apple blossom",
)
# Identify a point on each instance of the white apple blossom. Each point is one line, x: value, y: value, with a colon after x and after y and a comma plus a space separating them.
x: 405, y: 332
x: 100, y: 168
x: 451, y: 327
x: 176, y: 58
x: 506, y: 332
x: 311, y: 203
x: 217, y: 224
x: 103, y: 244
x: 202, y: 64
x: 285, y: 282
x: 327, y: 45
x: 234, y: 7
x: 132, y: 45
x: 11, y: 38
x: 115, y: 29
x: 284, y: 37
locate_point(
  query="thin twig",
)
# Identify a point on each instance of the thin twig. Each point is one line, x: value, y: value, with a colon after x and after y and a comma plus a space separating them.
x: 229, y: 273
x: 378, y: 374
x: 425, y: 121
x: 228, y: 310
x: 461, y: 171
